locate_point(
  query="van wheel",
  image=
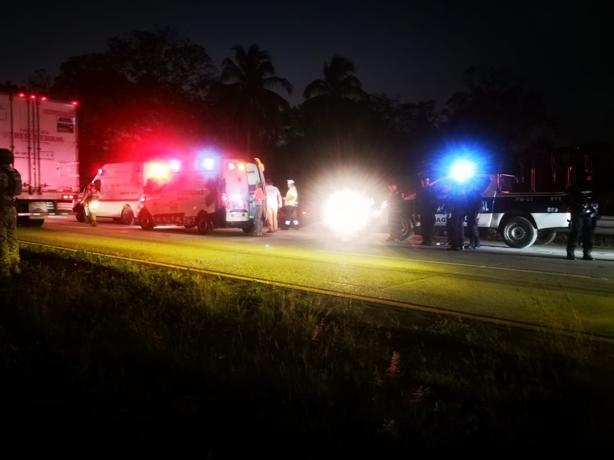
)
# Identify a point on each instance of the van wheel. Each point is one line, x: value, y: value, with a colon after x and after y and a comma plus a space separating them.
x: 146, y: 220
x: 204, y: 224
x: 518, y: 232
x: 249, y: 228
x: 80, y: 213
x: 127, y: 216
x: 545, y: 237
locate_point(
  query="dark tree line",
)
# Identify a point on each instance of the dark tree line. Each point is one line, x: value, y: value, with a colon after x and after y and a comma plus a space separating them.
x: 153, y: 92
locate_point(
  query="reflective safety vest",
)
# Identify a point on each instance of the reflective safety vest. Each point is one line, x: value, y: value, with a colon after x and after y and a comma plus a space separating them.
x: 291, y: 197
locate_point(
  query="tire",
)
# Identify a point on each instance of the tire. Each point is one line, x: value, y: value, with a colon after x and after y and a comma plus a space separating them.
x: 127, y: 216
x: 25, y: 221
x: 249, y: 228
x: 518, y: 232
x: 406, y: 229
x: 80, y: 213
x: 146, y: 220
x: 545, y: 237
x: 204, y: 224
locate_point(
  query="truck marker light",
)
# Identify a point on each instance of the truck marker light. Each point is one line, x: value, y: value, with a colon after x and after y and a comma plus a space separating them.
x: 44, y: 98
x: 74, y: 103
x: 22, y: 95
x: 32, y: 96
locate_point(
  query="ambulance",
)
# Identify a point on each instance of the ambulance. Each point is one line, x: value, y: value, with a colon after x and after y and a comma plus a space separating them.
x: 120, y: 187
x: 208, y: 192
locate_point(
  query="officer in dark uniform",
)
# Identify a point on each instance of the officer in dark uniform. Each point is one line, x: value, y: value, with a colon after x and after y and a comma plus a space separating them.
x: 426, y: 206
x: 583, y: 221
x: 473, y: 208
x: 395, y: 201
x: 456, y: 204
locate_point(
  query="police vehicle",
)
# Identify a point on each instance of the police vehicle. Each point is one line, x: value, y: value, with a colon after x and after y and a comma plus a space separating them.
x: 210, y: 193
x: 517, y: 216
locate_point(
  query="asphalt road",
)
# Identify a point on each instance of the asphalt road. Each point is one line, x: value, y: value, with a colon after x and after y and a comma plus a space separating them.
x: 535, y: 285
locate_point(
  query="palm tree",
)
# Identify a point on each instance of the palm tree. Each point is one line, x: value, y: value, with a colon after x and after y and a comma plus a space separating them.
x: 340, y: 82
x: 247, y: 93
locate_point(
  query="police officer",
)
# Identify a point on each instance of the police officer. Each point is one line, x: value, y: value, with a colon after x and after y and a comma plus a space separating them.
x: 473, y: 207
x: 582, y: 223
x: 10, y: 187
x: 426, y: 205
x: 456, y: 205
x: 395, y: 200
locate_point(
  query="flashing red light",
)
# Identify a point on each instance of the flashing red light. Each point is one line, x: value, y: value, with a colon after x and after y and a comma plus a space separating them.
x: 21, y: 95
x: 44, y: 98
x: 74, y: 103
x: 175, y: 165
x: 32, y: 96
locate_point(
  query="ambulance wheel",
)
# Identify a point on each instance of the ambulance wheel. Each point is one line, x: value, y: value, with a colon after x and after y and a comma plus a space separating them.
x: 545, y: 237
x: 204, y: 224
x: 146, y: 220
x: 249, y: 228
x: 127, y: 216
x: 80, y: 213
x: 518, y: 232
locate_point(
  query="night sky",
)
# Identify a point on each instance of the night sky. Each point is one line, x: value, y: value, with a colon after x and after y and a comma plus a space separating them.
x: 413, y: 50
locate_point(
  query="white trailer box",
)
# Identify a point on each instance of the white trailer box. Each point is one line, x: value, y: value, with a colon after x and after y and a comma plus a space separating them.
x: 42, y: 134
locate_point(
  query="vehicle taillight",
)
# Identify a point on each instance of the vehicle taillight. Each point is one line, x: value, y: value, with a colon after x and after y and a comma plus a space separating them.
x: 22, y: 95
x: 74, y: 103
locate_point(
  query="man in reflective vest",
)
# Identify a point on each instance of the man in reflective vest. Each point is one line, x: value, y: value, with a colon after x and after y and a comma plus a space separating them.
x: 291, y: 203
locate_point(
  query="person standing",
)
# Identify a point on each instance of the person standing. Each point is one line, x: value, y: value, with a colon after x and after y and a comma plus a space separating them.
x: 259, y: 199
x: 426, y: 206
x: 10, y: 187
x: 473, y: 208
x: 90, y: 202
x: 582, y: 223
x: 394, y: 202
x: 291, y: 204
x: 273, y: 203
x: 457, y: 204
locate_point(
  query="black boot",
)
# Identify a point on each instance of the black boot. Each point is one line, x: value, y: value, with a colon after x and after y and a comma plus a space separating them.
x: 587, y: 256
x: 570, y: 254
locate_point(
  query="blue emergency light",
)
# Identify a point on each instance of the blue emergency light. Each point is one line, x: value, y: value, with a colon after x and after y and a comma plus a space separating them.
x: 462, y: 170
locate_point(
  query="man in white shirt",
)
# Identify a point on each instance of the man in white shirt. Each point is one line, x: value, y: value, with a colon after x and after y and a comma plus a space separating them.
x: 273, y: 203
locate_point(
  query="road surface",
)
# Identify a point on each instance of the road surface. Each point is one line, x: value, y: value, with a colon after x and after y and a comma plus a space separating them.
x: 536, y: 286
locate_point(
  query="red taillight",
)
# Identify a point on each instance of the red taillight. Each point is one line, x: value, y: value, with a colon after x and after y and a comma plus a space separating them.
x: 74, y: 103
x: 43, y: 98
x: 32, y: 96
x: 22, y: 95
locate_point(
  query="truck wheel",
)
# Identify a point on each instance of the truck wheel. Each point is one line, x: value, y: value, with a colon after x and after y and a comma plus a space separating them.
x: 204, y: 224
x: 80, y: 213
x: 406, y: 228
x: 146, y: 220
x: 27, y: 222
x: 518, y: 232
x: 545, y: 237
x: 127, y: 216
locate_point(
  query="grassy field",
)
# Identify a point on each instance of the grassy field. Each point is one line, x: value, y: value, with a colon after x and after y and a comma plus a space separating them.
x: 100, y: 354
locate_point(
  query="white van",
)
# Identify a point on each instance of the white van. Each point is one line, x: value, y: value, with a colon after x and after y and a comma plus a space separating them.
x: 216, y: 192
x: 120, y: 186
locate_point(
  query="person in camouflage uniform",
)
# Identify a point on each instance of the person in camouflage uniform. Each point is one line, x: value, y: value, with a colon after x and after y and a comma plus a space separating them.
x: 10, y: 187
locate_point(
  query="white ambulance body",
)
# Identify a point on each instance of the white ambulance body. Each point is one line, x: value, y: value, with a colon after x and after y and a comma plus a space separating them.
x: 215, y: 193
x: 120, y: 187
x: 42, y: 134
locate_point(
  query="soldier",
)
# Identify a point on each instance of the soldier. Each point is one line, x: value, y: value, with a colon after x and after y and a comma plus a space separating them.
x: 582, y: 223
x: 10, y: 187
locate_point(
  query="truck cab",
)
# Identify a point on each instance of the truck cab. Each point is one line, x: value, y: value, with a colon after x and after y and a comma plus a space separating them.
x: 216, y: 192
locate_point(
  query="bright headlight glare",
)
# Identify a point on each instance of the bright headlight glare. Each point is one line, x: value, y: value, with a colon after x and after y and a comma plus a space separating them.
x: 347, y: 212
x: 462, y: 170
